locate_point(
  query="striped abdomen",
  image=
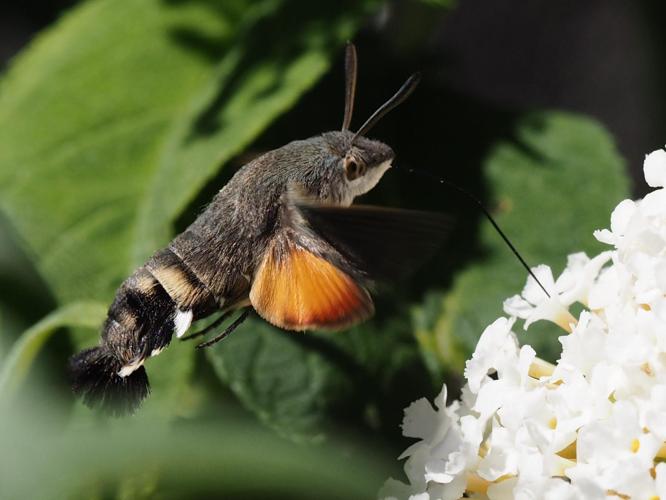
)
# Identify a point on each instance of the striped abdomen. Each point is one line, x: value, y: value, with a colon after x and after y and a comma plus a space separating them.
x: 161, y: 298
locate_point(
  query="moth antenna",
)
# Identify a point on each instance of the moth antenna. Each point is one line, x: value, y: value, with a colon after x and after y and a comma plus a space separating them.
x: 351, y: 72
x: 402, y: 94
x: 485, y: 211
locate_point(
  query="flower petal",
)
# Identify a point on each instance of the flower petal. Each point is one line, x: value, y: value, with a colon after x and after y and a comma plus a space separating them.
x: 654, y: 168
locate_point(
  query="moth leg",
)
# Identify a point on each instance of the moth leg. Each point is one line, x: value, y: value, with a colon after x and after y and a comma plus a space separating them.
x: 227, y: 330
x: 210, y: 327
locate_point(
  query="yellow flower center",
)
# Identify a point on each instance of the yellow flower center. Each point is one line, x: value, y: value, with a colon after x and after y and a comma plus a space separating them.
x: 569, y: 452
x: 476, y: 484
x: 565, y: 320
x: 541, y: 368
x: 635, y: 445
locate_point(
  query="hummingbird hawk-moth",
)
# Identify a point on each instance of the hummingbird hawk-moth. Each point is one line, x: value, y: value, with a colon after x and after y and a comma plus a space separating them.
x: 281, y: 237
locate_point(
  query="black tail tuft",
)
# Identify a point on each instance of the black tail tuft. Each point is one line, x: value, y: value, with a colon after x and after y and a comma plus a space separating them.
x: 94, y: 375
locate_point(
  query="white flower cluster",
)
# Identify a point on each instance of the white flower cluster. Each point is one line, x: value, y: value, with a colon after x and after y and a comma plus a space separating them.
x: 592, y: 426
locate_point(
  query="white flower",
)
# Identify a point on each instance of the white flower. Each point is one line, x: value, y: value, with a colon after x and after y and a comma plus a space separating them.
x: 594, y: 425
x: 443, y: 451
x: 617, y: 454
x: 660, y: 480
x: 620, y: 219
x: 654, y: 168
x: 577, y: 279
x: 497, y: 348
x: 549, y: 488
x: 533, y: 304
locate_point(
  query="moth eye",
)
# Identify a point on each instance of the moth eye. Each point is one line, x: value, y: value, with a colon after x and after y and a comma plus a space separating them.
x: 353, y: 169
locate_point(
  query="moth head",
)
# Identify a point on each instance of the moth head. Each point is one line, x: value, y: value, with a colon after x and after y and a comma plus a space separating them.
x: 343, y: 164
x: 360, y: 162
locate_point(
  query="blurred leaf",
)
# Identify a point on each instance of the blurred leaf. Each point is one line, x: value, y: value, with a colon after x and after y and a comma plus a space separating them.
x: 19, y: 359
x: 225, y: 459
x: 3, y: 338
x: 262, y: 75
x: 556, y: 184
x: 170, y: 375
x: 23, y: 297
x: 115, y: 118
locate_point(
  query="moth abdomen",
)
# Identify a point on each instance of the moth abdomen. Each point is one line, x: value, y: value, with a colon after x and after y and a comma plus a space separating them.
x: 158, y: 300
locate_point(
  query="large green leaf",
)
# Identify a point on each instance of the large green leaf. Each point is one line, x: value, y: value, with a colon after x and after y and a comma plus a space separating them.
x: 115, y: 118
x: 300, y: 383
x: 552, y: 186
x: 288, y: 386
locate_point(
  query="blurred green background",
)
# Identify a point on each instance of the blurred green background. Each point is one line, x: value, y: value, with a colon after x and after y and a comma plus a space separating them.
x: 120, y: 119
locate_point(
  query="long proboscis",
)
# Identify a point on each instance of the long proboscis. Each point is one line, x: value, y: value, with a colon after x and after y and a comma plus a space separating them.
x: 399, y: 97
x: 351, y: 72
x: 514, y: 250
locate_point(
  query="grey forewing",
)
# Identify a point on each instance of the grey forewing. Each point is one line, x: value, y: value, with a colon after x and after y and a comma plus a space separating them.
x: 386, y: 243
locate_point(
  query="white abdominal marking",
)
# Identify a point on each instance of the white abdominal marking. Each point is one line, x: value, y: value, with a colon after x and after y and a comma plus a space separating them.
x: 182, y: 321
x: 156, y: 352
x: 131, y: 368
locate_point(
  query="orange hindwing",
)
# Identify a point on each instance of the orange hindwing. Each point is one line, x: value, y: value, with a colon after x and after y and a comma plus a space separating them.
x: 297, y: 290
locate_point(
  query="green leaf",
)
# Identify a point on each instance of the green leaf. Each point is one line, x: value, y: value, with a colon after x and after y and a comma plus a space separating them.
x: 16, y: 365
x: 286, y: 384
x: 116, y: 117
x: 553, y: 186
x: 298, y: 382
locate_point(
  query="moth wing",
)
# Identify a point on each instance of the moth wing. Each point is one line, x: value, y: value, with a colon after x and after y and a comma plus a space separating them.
x: 296, y: 289
x: 386, y: 243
